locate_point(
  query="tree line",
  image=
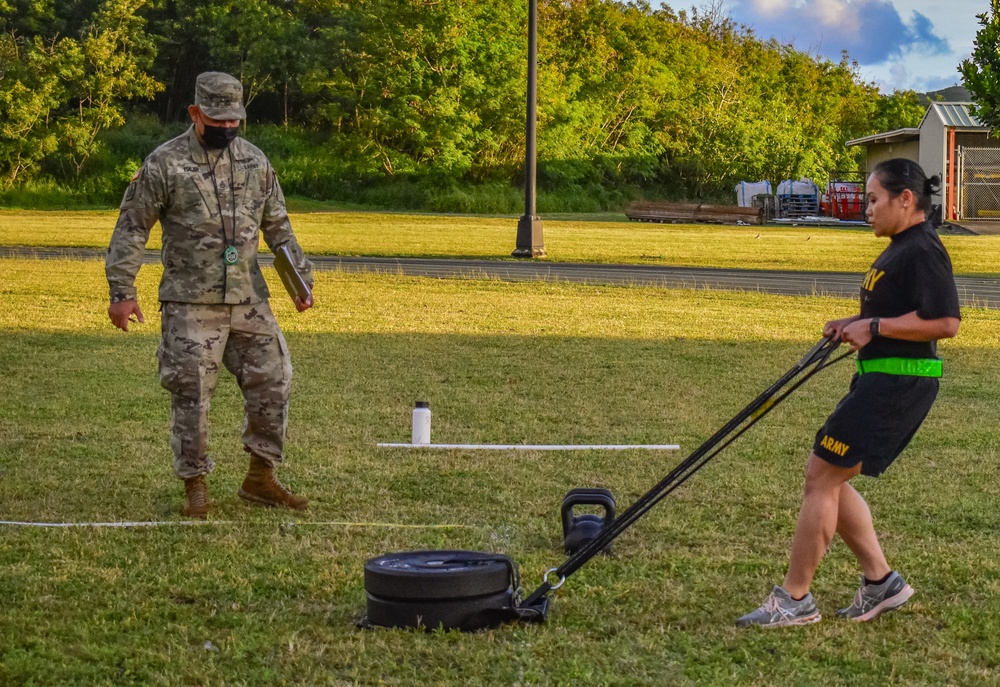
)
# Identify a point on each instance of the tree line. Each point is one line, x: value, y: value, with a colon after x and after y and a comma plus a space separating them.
x: 356, y: 94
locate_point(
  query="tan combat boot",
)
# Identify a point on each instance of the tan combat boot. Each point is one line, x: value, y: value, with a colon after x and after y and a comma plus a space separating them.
x: 195, y: 498
x: 261, y: 486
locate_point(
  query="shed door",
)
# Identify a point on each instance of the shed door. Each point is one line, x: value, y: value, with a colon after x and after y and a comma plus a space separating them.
x: 978, y: 183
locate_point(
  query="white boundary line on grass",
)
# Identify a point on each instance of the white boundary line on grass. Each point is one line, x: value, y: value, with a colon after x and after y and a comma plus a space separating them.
x: 540, y: 447
x: 175, y: 523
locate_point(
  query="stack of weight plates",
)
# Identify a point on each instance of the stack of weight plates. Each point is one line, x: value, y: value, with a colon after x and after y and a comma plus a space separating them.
x: 432, y: 589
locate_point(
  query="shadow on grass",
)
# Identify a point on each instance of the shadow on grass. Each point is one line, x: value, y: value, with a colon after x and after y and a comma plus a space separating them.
x: 90, y: 408
x: 83, y: 436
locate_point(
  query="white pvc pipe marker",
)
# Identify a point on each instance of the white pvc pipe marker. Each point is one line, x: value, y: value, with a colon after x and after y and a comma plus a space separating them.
x: 420, y: 437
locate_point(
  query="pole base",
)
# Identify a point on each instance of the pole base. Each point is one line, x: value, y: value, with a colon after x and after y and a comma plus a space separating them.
x: 528, y: 253
x: 529, y: 238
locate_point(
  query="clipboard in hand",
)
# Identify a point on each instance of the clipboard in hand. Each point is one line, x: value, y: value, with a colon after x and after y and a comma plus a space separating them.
x: 294, y: 284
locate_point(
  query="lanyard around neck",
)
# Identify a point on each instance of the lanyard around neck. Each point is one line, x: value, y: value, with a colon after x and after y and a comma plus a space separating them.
x: 231, y: 255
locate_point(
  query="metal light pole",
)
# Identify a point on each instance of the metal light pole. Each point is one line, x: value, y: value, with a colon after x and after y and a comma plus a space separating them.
x: 529, y: 227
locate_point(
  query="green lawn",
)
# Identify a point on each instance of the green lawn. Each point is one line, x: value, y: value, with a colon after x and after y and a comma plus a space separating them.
x: 578, y: 240
x: 265, y: 598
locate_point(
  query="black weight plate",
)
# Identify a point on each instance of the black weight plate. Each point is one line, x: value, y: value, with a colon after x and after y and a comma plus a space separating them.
x: 437, y: 574
x: 461, y: 614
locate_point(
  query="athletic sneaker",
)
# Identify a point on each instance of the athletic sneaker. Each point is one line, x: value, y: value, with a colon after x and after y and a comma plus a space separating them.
x: 780, y: 610
x: 872, y: 600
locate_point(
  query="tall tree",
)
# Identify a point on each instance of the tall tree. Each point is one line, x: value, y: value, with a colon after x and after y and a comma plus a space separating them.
x: 58, y: 92
x: 981, y: 72
x: 31, y: 91
x: 605, y: 76
x: 434, y: 84
x: 261, y: 43
x: 898, y: 110
x: 115, y: 54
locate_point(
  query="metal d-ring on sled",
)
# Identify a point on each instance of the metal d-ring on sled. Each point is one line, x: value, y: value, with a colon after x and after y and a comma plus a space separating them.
x: 470, y: 590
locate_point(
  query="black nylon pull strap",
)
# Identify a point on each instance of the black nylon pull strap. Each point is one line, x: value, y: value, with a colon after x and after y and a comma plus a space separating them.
x: 811, y: 363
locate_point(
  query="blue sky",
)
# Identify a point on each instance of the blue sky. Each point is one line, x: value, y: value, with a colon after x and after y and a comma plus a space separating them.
x: 898, y: 44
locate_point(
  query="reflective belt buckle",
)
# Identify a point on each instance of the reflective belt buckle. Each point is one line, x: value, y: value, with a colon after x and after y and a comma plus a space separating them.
x: 906, y: 367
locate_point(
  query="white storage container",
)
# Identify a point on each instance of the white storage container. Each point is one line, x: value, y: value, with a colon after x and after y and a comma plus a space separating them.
x: 746, y: 190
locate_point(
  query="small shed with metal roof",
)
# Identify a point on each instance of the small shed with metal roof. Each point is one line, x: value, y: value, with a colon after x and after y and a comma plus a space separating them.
x: 952, y: 143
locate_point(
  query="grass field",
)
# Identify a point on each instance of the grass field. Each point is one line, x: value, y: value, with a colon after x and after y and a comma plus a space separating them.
x: 265, y: 597
x: 260, y: 597
x: 577, y: 240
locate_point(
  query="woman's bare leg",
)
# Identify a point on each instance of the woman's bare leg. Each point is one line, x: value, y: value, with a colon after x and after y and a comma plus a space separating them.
x: 855, y: 527
x: 817, y: 522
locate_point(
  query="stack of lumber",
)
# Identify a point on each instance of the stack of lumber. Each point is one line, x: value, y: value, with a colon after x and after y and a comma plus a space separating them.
x: 652, y: 211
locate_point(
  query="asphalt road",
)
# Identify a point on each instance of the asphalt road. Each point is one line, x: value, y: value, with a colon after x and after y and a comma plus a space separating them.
x: 973, y: 291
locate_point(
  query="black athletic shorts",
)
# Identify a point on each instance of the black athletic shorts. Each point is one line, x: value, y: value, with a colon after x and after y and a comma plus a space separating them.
x: 875, y: 421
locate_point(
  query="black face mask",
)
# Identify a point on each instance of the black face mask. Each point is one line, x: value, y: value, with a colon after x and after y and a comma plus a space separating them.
x: 219, y: 137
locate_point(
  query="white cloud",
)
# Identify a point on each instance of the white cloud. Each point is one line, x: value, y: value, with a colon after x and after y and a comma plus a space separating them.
x: 835, y: 14
x: 771, y: 6
x: 898, y: 43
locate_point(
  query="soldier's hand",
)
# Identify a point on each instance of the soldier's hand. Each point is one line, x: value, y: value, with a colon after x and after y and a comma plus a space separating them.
x: 856, y: 334
x: 835, y: 328
x: 303, y: 305
x: 121, y: 313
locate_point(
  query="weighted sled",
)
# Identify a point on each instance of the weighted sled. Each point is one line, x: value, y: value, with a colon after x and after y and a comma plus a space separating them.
x: 465, y: 590
x: 411, y: 575
x: 468, y: 614
x: 452, y: 589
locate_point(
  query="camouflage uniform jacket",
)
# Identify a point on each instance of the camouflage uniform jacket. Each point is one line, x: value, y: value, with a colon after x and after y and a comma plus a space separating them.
x: 196, y: 209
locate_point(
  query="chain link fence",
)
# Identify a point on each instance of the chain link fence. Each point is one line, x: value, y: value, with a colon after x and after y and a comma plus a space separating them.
x: 978, y: 183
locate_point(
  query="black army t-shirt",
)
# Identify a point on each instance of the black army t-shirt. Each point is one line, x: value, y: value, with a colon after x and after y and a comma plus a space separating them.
x: 912, y: 274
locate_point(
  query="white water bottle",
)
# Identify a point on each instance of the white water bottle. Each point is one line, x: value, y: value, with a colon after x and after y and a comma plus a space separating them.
x: 421, y: 423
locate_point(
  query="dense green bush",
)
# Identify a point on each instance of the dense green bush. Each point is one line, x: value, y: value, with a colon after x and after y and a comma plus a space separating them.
x: 311, y: 165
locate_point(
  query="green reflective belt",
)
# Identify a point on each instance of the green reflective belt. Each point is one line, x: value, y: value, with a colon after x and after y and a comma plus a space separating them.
x: 910, y: 367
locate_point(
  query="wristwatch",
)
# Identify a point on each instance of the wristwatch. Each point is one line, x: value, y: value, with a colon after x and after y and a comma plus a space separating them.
x: 873, y: 326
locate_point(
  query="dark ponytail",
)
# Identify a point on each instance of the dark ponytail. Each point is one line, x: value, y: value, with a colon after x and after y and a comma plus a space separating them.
x: 899, y: 174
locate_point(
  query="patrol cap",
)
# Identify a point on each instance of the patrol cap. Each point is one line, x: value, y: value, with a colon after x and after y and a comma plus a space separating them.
x: 220, y: 96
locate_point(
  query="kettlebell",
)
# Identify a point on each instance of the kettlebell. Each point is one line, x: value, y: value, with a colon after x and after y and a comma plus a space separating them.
x: 578, y: 530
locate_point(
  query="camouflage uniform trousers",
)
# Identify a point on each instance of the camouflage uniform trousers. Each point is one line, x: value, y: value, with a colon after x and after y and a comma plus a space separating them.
x: 247, y: 340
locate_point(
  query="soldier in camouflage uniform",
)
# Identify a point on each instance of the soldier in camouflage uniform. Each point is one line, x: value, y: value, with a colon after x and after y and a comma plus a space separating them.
x: 213, y: 194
